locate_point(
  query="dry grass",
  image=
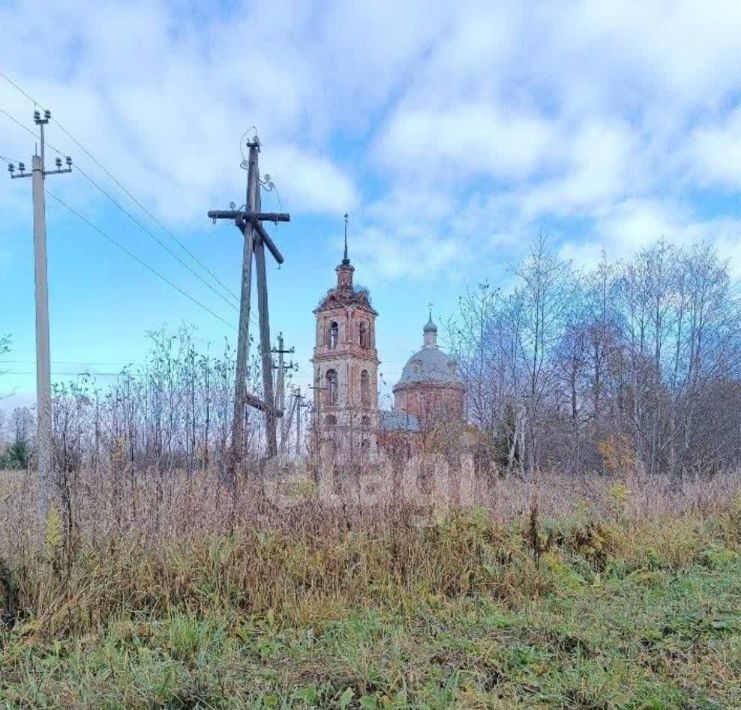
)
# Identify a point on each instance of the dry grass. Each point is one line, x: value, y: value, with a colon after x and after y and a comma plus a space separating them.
x: 151, y: 543
x: 149, y: 550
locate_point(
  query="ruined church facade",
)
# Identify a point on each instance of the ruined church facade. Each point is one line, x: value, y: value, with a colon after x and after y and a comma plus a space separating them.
x: 345, y: 365
x: 347, y: 422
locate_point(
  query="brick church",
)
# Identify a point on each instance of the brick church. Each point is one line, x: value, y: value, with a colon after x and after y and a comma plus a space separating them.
x: 347, y: 420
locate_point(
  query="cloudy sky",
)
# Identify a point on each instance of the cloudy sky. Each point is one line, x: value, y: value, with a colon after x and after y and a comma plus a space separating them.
x: 453, y: 132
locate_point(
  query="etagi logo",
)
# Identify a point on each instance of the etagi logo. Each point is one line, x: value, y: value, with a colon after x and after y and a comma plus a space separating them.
x: 426, y: 481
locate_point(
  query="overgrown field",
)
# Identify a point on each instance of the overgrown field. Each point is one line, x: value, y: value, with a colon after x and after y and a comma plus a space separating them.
x: 591, y: 603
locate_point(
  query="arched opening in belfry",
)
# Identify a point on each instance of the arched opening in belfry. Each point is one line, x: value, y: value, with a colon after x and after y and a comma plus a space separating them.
x: 332, y: 393
x: 330, y: 420
x: 334, y: 335
x: 365, y: 388
x: 365, y: 420
x: 364, y: 335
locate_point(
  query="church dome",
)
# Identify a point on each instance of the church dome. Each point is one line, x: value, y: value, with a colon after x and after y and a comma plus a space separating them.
x: 430, y: 365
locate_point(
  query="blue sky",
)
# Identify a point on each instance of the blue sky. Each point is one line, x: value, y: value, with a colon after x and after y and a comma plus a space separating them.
x: 451, y: 131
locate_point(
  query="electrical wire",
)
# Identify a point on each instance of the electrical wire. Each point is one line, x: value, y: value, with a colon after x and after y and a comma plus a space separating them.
x: 123, y: 209
x: 133, y: 256
x: 153, y: 236
x: 65, y: 374
x: 18, y: 123
x: 118, y: 182
x: 13, y: 84
x: 65, y: 362
x: 133, y: 219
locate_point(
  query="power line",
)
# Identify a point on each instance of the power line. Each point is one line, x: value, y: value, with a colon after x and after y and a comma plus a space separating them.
x: 123, y: 187
x: 18, y: 123
x: 12, y: 83
x: 66, y: 374
x: 64, y: 362
x: 123, y: 209
x: 133, y: 256
x: 133, y: 219
x: 154, y: 236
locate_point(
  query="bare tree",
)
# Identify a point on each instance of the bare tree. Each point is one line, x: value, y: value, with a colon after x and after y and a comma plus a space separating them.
x: 633, y: 366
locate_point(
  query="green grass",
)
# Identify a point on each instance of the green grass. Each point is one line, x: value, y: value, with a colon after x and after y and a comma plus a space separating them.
x: 650, y: 630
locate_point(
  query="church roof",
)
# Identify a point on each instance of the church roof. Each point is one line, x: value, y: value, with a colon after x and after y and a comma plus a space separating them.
x: 430, y: 365
x: 398, y: 421
x: 354, y: 295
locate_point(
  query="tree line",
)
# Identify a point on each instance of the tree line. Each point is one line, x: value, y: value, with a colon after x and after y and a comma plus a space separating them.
x: 627, y: 366
x: 171, y: 412
x: 632, y: 365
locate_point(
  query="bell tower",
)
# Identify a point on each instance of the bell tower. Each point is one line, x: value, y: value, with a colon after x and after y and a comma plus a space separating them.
x: 346, y: 369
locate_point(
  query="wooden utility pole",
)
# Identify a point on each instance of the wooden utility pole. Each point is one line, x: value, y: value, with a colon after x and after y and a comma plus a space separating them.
x: 249, y: 222
x: 280, y: 394
x: 47, y: 484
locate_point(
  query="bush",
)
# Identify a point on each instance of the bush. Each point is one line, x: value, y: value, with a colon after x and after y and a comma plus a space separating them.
x: 15, y: 457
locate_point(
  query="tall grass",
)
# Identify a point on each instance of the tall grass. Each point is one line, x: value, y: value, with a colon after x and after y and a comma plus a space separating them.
x: 151, y: 546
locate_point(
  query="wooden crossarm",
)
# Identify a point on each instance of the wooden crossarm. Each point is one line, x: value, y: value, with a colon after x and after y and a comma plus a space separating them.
x: 252, y: 401
x: 262, y: 216
x: 269, y: 243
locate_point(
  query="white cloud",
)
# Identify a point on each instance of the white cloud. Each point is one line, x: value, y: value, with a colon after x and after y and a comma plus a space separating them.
x: 626, y: 227
x: 470, y: 121
x: 466, y: 140
x: 714, y: 152
x: 314, y: 183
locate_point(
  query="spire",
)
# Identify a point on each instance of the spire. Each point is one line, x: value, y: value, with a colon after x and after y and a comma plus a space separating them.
x: 430, y: 331
x: 345, y: 259
x: 345, y: 268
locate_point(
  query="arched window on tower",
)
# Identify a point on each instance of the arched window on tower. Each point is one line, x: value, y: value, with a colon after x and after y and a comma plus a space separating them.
x: 330, y: 420
x: 333, y: 335
x: 364, y: 335
x: 332, y: 393
x: 365, y: 388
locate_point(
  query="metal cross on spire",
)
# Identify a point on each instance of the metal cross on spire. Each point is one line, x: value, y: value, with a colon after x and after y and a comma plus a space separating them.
x: 345, y: 259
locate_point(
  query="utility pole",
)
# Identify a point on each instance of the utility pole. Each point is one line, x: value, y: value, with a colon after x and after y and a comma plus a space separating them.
x: 288, y: 421
x: 317, y: 415
x: 300, y: 404
x: 38, y: 174
x: 249, y: 222
x: 280, y: 394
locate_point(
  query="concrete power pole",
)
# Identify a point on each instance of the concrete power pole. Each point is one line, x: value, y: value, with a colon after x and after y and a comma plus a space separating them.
x: 249, y: 222
x: 47, y: 483
x: 299, y: 404
x: 280, y: 390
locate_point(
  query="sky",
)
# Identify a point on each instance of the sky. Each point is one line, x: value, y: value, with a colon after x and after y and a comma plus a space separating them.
x: 451, y: 132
